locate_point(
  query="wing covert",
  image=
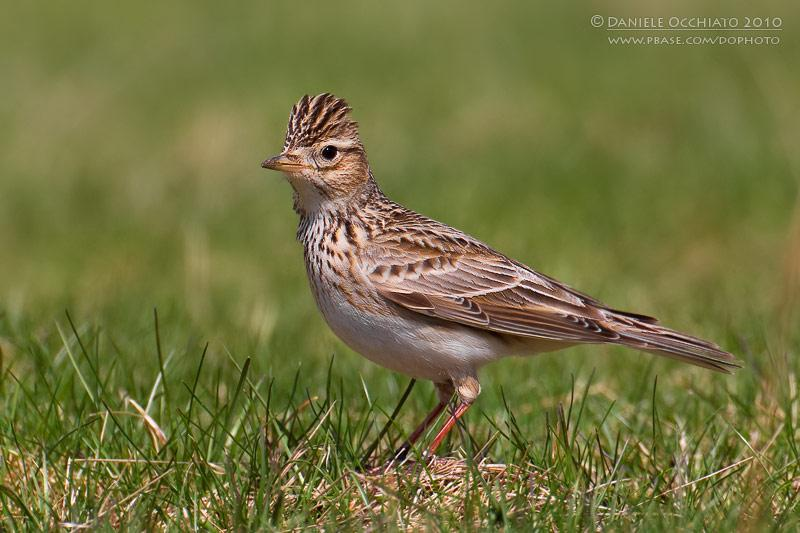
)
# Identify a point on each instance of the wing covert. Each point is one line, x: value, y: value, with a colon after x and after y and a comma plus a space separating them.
x: 464, y: 281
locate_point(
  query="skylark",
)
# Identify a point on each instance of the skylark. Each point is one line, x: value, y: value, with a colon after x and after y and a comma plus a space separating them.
x: 424, y: 299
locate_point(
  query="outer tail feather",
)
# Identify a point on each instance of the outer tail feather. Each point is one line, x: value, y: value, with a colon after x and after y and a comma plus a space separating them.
x: 636, y: 316
x: 670, y: 343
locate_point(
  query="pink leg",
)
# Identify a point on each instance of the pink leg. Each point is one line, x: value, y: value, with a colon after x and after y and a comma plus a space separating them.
x: 448, y: 425
x: 432, y: 416
x: 414, y: 437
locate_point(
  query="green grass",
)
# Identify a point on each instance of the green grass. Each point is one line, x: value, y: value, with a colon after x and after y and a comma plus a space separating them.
x: 663, y: 180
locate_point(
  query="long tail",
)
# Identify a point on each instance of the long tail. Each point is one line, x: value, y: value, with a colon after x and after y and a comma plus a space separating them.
x: 644, y: 333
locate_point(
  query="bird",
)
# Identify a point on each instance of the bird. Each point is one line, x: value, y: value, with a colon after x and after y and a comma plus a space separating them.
x: 426, y: 300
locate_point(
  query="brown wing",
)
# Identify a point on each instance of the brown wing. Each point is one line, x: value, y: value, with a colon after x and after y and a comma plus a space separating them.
x: 455, y: 278
x: 432, y: 269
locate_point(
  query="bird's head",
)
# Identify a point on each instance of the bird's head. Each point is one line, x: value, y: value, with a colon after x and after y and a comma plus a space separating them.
x: 322, y: 157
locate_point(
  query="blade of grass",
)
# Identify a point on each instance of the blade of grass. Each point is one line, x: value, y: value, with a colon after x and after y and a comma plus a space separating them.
x: 389, y: 422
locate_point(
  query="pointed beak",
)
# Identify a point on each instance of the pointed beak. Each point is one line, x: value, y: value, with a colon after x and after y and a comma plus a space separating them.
x: 284, y: 162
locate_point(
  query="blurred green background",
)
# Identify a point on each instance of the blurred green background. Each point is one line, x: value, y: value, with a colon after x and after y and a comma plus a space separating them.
x: 661, y: 179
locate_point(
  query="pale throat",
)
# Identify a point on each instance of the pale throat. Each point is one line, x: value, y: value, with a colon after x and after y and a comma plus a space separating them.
x: 308, y: 198
x: 311, y: 200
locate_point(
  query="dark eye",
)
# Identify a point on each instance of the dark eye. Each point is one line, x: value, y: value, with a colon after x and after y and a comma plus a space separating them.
x: 329, y: 152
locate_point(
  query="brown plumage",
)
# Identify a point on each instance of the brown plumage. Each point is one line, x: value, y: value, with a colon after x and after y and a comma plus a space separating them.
x: 422, y: 298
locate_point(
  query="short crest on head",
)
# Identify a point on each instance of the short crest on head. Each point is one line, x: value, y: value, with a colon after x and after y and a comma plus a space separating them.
x: 322, y: 117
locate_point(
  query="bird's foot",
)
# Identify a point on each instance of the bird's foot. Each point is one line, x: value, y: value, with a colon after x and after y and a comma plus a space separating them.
x: 402, y: 460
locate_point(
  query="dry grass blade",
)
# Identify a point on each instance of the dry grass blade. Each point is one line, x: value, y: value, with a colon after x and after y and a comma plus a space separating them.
x: 707, y: 476
x: 415, y: 489
x: 302, y: 446
x: 156, y: 433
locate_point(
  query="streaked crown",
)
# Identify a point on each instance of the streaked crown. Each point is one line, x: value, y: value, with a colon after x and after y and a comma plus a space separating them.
x: 322, y: 117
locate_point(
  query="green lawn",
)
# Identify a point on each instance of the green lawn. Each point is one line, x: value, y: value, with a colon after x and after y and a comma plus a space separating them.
x: 662, y: 180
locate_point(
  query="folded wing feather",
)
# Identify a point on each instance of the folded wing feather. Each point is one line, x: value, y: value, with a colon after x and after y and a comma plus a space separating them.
x: 456, y: 278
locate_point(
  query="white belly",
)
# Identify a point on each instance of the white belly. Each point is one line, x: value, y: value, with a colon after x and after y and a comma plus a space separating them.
x: 414, y: 346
